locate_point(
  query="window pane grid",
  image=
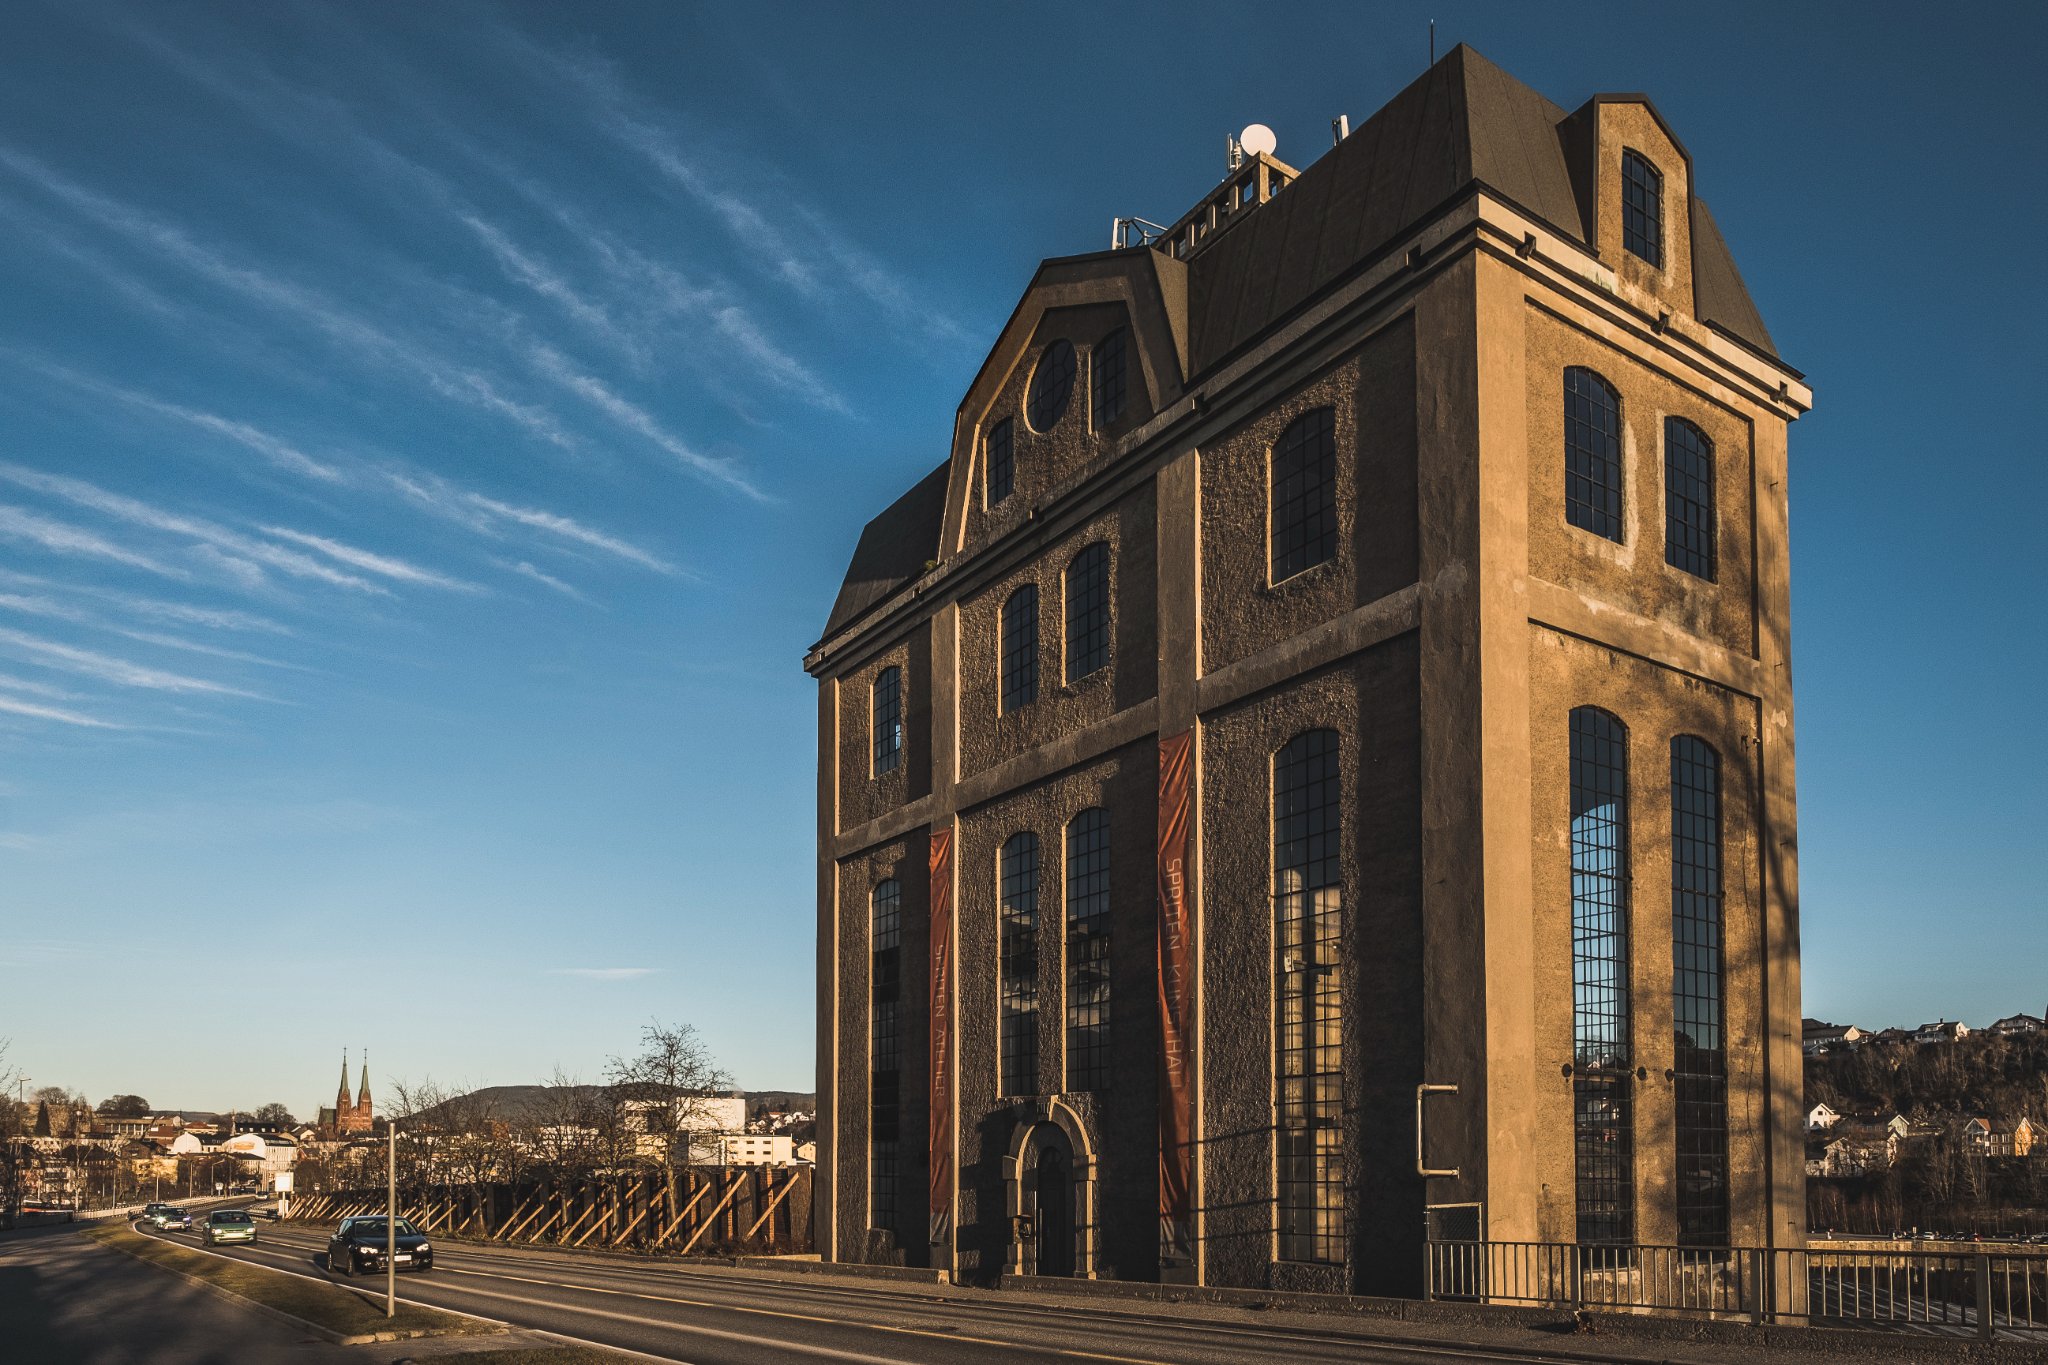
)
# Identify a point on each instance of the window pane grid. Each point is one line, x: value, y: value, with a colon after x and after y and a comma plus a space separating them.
x: 1688, y: 498
x: 1304, y: 494
x: 1018, y: 1025
x: 1308, y: 932
x: 1052, y: 384
x: 885, y: 1061
x: 888, y: 720
x: 1642, y: 208
x: 1002, y: 462
x: 1108, y: 368
x: 1592, y: 454
x: 1602, y: 1097
x: 1088, y: 612
x: 1088, y: 951
x: 1697, y: 995
x: 1020, y: 648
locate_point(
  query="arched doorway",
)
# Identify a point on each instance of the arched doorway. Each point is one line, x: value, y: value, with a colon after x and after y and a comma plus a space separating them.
x: 1049, y: 1178
x: 1054, y: 1213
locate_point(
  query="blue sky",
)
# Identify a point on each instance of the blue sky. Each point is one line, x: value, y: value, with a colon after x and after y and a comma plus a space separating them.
x: 430, y: 436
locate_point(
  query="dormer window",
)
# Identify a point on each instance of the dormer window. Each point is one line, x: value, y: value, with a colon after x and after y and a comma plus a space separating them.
x: 1052, y: 384
x: 1642, y: 208
x: 1002, y: 462
x: 1107, y: 388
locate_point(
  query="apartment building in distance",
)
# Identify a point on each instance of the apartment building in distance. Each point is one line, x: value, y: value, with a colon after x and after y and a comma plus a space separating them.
x: 1337, y: 681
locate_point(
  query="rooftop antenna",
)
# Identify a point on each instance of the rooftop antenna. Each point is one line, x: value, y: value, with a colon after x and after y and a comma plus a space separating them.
x: 1257, y: 140
x: 1340, y: 128
x: 1432, y: 42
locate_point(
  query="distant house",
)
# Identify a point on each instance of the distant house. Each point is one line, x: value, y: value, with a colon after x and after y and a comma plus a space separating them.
x: 2001, y: 1137
x: 1942, y: 1031
x: 2016, y: 1025
x: 1869, y: 1147
x: 1820, y: 1118
x: 1817, y: 1037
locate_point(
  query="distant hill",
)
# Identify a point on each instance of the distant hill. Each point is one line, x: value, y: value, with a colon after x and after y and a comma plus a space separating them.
x: 526, y: 1103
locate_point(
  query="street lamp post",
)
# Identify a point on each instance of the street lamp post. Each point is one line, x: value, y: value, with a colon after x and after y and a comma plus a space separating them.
x: 391, y: 1223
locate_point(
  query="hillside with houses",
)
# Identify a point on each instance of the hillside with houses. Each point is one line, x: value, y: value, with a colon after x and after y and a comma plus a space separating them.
x: 1943, y: 1127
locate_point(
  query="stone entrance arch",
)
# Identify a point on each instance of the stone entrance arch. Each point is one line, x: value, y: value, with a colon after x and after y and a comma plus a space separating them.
x: 1049, y: 1180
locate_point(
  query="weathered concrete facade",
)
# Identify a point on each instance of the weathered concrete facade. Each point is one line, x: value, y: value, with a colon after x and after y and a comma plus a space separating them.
x: 1429, y: 282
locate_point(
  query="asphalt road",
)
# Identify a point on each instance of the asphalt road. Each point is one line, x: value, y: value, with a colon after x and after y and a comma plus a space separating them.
x: 67, y: 1301
x: 719, y: 1316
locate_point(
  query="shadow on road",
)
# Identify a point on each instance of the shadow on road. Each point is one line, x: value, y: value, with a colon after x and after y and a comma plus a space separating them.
x: 25, y: 1320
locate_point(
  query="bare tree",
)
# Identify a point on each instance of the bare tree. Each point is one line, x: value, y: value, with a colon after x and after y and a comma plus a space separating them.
x: 272, y: 1114
x: 663, y: 1095
x: 16, y: 1152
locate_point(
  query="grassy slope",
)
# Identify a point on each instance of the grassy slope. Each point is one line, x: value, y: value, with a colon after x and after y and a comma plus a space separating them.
x: 316, y: 1301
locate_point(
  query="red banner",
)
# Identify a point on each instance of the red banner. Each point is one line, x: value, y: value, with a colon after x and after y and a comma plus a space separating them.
x: 940, y: 1155
x: 1176, y: 1006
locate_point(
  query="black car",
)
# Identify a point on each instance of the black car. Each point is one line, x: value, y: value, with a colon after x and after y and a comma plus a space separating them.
x: 358, y: 1246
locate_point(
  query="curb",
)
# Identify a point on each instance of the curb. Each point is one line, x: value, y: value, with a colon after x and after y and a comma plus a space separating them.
x: 327, y: 1334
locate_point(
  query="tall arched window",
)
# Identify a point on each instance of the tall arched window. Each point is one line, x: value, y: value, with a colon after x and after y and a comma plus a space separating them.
x: 1020, y: 648
x: 1688, y: 498
x: 1642, y: 207
x: 1308, y: 912
x: 1052, y: 384
x: 1592, y: 453
x: 885, y: 1060
x: 1088, y: 612
x: 1000, y: 449
x: 1018, y: 1026
x: 1106, y: 388
x: 1302, y: 493
x: 1602, y: 1059
x: 887, y: 713
x: 1697, y: 993
x: 1088, y: 950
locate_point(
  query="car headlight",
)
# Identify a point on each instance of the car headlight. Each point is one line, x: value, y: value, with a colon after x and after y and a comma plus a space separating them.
x: 424, y: 1246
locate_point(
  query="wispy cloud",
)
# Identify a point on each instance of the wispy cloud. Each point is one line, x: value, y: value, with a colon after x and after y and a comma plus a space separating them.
x: 569, y: 529
x: 605, y: 973
x: 19, y: 524
x: 383, y: 565
x: 452, y: 379
x: 792, y: 257
x: 527, y: 570
x: 107, y: 668
x: 231, y: 548
x: 600, y: 395
x: 275, y: 449
x: 14, y: 706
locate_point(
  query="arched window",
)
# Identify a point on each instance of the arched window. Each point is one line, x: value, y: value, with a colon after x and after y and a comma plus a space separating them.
x: 887, y: 713
x: 1052, y: 384
x: 1592, y: 453
x: 1020, y: 648
x: 1018, y: 1025
x: 1602, y: 1059
x: 1697, y: 991
x: 999, y: 449
x: 1106, y: 372
x: 1088, y: 611
x: 1302, y: 488
x: 1688, y: 498
x: 885, y: 1060
x: 1088, y: 950
x: 1308, y: 913
x: 1642, y: 207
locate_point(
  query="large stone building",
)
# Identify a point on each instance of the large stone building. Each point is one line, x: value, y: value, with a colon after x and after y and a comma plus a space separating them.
x: 349, y: 1117
x: 1344, y: 651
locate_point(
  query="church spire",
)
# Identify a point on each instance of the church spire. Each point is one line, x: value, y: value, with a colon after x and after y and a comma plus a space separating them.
x: 341, y: 1093
x: 363, y: 1093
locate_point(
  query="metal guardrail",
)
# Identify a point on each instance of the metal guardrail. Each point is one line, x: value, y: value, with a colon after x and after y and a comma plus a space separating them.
x: 1983, y: 1294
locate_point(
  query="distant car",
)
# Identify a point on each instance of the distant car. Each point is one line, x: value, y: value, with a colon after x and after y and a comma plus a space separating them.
x: 358, y: 1246
x: 174, y: 1220
x: 228, y: 1225
x: 153, y: 1213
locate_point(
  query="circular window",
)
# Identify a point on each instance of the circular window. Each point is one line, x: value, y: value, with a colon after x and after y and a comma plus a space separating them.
x: 1052, y: 384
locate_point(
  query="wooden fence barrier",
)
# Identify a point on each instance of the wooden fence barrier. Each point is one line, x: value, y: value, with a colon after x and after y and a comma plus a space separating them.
x: 715, y: 1210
